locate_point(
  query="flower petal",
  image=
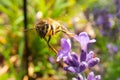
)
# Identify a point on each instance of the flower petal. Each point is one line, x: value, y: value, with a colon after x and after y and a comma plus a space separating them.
x: 83, y: 56
x: 80, y: 77
x: 90, y: 55
x: 91, y: 76
x: 83, y: 65
x: 74, y: 79
x: 72, y: 61
x: 84, y: 39
x: 92, y: 62
x: 60, y: 55
x: 74, y: 55
x: 92, y: 41
x: 66, y: 47
x: 70, y: 68
x: 98, y: 77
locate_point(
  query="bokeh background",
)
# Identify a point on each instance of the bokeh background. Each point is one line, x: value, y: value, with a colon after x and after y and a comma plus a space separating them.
x: 99, y: 18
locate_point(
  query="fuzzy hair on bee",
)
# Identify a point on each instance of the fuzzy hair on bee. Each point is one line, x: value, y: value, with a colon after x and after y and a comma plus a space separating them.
x: 49, y: 27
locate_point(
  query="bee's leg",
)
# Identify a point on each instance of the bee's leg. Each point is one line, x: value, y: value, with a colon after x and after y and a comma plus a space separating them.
x: 68, y: 33
x: 49, y: 38
x: 50, y: 45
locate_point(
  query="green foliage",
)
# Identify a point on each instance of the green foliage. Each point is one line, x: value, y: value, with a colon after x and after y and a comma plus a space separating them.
x: 113, y: 69
x: 60, y: 6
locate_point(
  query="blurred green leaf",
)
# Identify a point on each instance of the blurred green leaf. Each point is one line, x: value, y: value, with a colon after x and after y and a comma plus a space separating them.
x: 59, y: 6
x: 4, y: 76
x: 21, y: 49
x: 18, y: 20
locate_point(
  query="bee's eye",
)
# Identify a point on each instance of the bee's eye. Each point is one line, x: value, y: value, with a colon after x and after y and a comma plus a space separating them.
x: 37, y: 28
x: 47, y: 25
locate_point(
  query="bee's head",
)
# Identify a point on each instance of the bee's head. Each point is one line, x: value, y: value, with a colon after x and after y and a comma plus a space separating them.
x: 40, y: 26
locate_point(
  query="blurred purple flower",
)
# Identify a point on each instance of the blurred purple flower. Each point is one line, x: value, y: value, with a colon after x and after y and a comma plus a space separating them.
x: 52, y: 60
x: 90, y: 76
x: 116, y: 2
x: 118, y: 79
x: 109, y: 46
x: 115, y: 48
x: 84, y: 40
x: 117, y: 5
x: 118, y: 14
x: 104, y: 19
x: 112, y: 48
x: 96, y: 13
x: 87, y: 14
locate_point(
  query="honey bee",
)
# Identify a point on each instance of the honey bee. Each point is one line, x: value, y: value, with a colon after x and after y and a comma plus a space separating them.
x: 46, y: 28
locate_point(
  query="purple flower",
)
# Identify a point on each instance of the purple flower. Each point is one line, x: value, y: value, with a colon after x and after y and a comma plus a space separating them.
x: 82, y: 66
x: 77, y: 64
x: 72, y: 60
x: 80, y: 77
x: 84, y: 40
x: 74, y: 64
x: 90, y: 76
x: 66, y: 48
x: 91, y: 60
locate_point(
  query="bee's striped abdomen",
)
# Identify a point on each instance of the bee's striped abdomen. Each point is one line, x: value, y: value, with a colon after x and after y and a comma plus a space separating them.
x: 52, y: 30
